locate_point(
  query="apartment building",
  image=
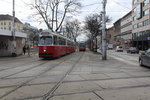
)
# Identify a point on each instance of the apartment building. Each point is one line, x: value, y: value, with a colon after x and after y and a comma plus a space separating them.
x: 141, y: 24
x: 6, y: 23
x: 126, y: 30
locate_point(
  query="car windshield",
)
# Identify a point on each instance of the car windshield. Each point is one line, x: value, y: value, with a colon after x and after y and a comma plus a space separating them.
x: 45, y: 40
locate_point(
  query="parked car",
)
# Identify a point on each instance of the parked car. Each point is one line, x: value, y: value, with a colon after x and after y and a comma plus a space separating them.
x: 119, y: 49
x: 133, y: 50
x: 144, y: 58
x: 110, y: 46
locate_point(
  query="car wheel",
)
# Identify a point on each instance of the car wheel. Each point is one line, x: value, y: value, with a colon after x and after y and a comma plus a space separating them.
x: 141, y: 62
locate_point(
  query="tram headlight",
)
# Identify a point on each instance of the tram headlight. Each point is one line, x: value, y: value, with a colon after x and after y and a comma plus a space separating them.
x: 44, y: 50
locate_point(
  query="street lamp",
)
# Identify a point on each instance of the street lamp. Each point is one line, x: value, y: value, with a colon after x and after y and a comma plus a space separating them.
x: 13, y: 31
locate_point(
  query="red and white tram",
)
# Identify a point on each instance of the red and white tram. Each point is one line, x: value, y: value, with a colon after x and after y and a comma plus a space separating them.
x: 52, y: 45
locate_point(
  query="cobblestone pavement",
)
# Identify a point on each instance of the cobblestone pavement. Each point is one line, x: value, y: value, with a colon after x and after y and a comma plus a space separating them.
x: 78, y: 76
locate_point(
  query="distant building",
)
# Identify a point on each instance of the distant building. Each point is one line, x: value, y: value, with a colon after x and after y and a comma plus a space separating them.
x: 27, y: 28
x: 141, y: 24
x: 117, y: 35
x: 110, y: 35
x: 6, y: 23
x: 32, y: 34
x: 126, y: 30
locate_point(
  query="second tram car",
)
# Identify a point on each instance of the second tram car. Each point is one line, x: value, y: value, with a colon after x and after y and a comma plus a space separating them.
x: 82, y: 47
x: 52, y: 45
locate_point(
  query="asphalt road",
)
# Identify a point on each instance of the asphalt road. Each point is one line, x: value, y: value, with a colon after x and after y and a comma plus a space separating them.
x: 78, y: 76
x: 125, y: 57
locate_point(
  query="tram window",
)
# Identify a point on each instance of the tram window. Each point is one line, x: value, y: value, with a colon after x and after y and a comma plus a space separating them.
x: 45, y: 40
x: 62, y: 41
x: 69, y: 43
x: 55, y: 40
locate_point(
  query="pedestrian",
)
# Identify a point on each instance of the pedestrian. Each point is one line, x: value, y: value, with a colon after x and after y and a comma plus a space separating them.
x: 24, y: 50
x: 28, y: 48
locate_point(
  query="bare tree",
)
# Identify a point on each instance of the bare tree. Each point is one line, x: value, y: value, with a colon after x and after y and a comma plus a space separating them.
x: 94, y: 24
x: 53, y: 12
x: 73, y: 29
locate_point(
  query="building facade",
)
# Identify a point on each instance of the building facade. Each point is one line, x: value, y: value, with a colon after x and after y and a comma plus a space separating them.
x: 6, y: 23
x: 6, y: 42
x: 141, y: 24
x: 110, y: 35
x: 117, y: 37
x: 126, y: 30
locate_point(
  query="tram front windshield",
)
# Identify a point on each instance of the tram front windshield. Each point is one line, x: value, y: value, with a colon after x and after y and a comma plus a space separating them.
x: 82, y: 45
x: 45, y: 40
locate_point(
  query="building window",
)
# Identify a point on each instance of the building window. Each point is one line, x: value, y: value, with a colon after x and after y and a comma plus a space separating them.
x: 146, y: 22
x: 139, y: 11
x: 134, y: 26
x: 139, y: 24
x: 146, y: 12
x: 134, y: 10
x: 4, y: 28
x: 134, y: 18
x: 145, y: 2
x: 4, y: 23
x: 1, y: 23
x: 9, y: 23
x: 9, y: 28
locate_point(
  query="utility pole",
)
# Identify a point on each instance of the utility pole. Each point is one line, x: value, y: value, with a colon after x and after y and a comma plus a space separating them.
x: 13, y: 31
x: 104, y: 40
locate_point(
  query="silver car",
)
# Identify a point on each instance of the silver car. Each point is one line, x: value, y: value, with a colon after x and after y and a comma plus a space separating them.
x: 144, y: 58
x: 119, y: 49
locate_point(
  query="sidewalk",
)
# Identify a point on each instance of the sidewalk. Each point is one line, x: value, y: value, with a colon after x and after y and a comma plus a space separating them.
x: 32, y: 53
x: 94, y: 79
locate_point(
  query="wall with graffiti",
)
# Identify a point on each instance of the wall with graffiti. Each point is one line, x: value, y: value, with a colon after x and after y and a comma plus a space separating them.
x: 3, y: 45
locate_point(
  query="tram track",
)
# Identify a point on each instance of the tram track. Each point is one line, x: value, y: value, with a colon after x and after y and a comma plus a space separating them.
x: 23, y: 70
x: 93, y: 91
x: 92, y: 80
x: 12, y: 59
x: 17, y: 65
x: 25, y: 61
x: 51, y: 92
x: 34, y: 77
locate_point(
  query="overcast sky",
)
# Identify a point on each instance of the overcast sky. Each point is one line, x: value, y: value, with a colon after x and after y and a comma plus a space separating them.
x: 115, y: 9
